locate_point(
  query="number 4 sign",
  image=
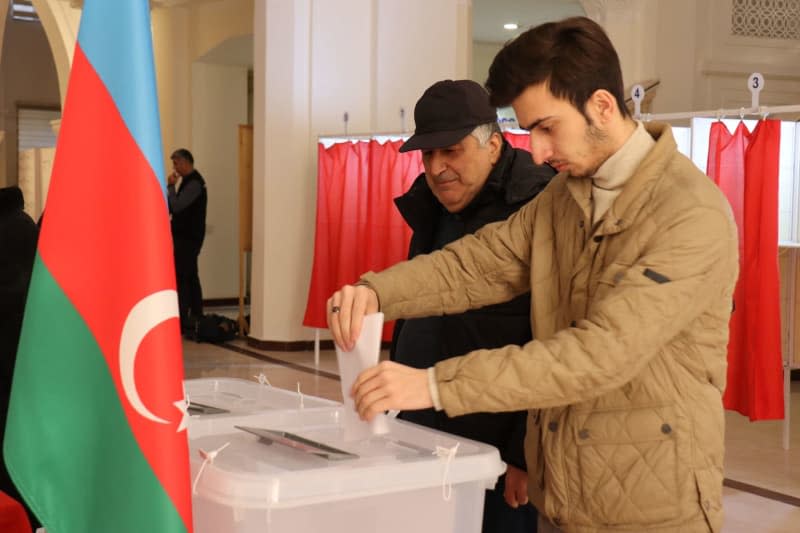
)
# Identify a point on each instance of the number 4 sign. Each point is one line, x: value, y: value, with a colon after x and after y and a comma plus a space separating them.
x: 637, y: 94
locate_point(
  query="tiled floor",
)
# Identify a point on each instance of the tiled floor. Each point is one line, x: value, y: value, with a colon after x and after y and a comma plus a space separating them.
x: 763, y: 492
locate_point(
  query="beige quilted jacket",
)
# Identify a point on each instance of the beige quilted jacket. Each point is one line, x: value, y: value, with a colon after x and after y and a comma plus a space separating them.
x: 624, y: 381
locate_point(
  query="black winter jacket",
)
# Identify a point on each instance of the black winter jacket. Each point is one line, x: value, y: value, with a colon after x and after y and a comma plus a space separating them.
x: 422, y: 342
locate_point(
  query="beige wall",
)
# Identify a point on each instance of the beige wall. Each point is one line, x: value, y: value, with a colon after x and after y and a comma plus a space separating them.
x: 689, y: 47
x: 173, y: 65
x: 182, y: 35
x: 201, y: 106
x: 727, y: 61
x: 416, y: 42
x: 482, y: 57
x: 677, y: 56
x: 214, y: 22
x: 60, y: 21
x: 283, y: 185
x: 27, y: 77
x: 631, y: 26
x: 219, y: 105
x: 307, y: 72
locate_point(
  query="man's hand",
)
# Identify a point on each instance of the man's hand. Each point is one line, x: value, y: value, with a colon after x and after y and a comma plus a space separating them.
x: 516, y: 492
x: 346, y: 310
x: 390, y: 385
x: 172, y: 178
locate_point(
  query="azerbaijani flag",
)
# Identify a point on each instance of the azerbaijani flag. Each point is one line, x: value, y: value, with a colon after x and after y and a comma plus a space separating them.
x: 96, y: 432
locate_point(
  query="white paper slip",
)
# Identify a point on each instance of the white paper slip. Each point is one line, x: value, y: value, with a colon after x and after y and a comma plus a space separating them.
x: 364, y: 355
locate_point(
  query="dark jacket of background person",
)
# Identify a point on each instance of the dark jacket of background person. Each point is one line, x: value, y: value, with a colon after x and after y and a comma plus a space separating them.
x: 188, y: 209
x: 189, y: 221
x: 422, y: 342
x: 18, y: 237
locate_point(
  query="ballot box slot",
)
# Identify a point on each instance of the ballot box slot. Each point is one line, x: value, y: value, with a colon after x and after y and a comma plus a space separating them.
x: 302, y: 444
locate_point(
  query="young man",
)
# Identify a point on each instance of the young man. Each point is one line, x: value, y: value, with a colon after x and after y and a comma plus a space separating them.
x: 472, y: 177
x: 187, y: 205
x: 632, y: 255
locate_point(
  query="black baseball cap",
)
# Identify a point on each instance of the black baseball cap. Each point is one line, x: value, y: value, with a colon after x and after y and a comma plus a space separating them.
x: 447, y: 112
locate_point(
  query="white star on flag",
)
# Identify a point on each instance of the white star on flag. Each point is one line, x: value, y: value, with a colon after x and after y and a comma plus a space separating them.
x: 183, y: 407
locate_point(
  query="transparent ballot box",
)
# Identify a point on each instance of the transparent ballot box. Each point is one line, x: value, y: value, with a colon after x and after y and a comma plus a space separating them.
x: 316, y: 470
x: 233, y: 396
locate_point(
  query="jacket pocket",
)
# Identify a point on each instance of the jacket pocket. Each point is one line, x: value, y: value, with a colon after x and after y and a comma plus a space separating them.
x: 534, y: 458
x: 709, y: 490
x: 611, y: 276
x: 628, y: 467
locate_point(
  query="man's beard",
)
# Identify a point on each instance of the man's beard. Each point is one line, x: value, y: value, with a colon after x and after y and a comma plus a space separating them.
x: 596, y: 141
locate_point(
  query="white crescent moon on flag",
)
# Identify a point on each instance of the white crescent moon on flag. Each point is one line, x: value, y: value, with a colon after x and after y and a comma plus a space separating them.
x: 148, y: 313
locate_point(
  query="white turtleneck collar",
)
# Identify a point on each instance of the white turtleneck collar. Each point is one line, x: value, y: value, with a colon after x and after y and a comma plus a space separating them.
x: 612, y: 175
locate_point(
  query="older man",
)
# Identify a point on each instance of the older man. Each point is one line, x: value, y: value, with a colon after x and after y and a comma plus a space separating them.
x: 472, y: 177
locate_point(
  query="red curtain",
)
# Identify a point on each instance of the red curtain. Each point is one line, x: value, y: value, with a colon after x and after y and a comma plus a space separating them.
x: 518, y: 140
x: 745, y: 166
x: 358, y: 227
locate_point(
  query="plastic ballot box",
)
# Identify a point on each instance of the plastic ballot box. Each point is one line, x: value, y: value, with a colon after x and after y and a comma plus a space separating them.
x: 232, y: 396
x: 312, y: 470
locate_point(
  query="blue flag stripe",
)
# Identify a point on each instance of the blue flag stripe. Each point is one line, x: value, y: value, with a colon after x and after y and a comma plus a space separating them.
x: 125, y: 64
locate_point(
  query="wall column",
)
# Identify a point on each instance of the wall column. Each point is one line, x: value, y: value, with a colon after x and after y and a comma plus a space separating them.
x: 307, y: 73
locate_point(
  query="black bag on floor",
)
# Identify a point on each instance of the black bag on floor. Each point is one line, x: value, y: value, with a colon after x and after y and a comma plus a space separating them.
x: 215, y: 328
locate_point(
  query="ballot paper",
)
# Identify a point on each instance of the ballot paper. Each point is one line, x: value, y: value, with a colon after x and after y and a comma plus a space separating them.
x: 365, y: 354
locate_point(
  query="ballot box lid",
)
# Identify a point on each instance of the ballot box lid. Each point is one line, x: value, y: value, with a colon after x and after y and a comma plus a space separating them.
x: 234, y: 396
x: 291, y: 458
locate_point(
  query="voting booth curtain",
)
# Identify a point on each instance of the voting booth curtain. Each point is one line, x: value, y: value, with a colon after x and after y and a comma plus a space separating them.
x: 358, y: 227
x: 745, y: 166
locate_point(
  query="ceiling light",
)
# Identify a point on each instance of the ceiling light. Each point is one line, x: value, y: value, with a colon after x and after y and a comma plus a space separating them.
x: 511, y: 26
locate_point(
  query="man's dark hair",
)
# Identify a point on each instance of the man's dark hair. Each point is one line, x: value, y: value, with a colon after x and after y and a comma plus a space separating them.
x: 183, y: 153
x: 574, y: 57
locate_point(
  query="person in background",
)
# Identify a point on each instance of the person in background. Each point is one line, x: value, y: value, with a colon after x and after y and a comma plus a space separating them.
x: 472, y: 177
x: 18, y: 238
x: 187, y: 206
x: 631, y: 255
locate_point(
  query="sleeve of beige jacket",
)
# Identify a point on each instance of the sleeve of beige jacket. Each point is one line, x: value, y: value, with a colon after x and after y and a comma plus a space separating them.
x: 487, y: 267
x: 622, y: 333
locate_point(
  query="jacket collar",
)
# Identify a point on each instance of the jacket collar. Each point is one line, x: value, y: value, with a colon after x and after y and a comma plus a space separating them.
x: 500, y: 181
x: 637, y: 190
x: 419, y: 206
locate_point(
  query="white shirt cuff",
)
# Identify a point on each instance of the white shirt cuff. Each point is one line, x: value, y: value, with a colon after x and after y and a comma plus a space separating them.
x: 433, y: 388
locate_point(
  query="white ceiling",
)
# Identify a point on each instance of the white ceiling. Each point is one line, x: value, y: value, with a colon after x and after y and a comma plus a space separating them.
x: 488, y: 16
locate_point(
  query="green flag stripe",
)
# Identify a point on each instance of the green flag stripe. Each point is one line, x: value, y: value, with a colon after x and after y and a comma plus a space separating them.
x: 68, y: 445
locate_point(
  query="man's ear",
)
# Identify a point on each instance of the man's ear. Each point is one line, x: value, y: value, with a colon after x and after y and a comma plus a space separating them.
x: 495, y: 145
x: 602, y: 106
